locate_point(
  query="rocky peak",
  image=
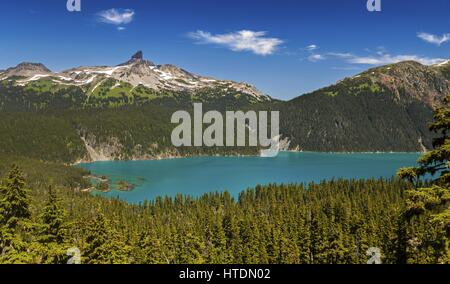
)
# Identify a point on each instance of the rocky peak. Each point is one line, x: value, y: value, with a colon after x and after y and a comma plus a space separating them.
x: 31, y: 66
x: 28, y: 69
x: 138, y: 56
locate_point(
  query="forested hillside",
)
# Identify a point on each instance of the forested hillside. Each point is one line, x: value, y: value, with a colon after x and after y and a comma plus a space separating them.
x: 383, y: 109
x: 45, y: 212
x: 113, y: 134
x: 332, y: 222
x: 356, y: 123
x: 386, y: 108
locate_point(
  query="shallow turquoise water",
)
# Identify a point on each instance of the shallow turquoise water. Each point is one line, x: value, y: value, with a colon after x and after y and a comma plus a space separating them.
x: 196, y: 176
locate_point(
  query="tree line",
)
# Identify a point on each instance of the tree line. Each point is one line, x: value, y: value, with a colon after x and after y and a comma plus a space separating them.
x: 333, y: 222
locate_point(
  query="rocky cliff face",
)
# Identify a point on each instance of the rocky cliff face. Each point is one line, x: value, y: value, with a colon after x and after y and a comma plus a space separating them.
x: 111, y: 149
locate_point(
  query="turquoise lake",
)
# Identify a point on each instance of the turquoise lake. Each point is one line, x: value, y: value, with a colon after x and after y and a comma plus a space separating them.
x: 196, y: 176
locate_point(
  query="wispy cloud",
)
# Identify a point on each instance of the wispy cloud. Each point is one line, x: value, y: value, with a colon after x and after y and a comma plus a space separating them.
x: 245, y: 40
x: 316, y: 57
x: 384, y: 58
x: 434, y: 39
x: 311, y: 47
x: 313, y: 56
x: 116, y: 16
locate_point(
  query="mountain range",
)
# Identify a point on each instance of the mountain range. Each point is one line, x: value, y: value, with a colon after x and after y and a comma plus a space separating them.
x: 123, y: 111
x: 135, y: 78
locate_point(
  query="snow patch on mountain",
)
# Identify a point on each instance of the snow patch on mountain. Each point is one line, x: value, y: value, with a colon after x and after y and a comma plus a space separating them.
x: 34, y: 78
x: 136, y: 71
x: 443, y: 63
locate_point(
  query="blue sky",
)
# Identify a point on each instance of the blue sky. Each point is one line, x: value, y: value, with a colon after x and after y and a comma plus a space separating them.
x: 284, y: 47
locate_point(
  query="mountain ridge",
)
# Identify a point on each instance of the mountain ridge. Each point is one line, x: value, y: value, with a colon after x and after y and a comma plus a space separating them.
x: 168, y: 77
x: 383, y: 109
x: 406, y: 74
x: 137, y: 72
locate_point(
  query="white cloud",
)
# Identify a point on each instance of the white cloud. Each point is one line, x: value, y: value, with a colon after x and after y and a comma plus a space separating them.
x: 121, y: 28
x: 244, y: 40
x: 434, y: 39
x: 311, y: 47
x: 385, y: 58
x: 316, y: 57
x: 313, y: 56
x: 341, y: 54
x: 116, y: 16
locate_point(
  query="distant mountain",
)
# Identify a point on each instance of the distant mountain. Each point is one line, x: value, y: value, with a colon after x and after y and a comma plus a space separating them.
x: 135, y: 80
x: 26, y: 69
x: 124, y: 111
x: 386, y: 108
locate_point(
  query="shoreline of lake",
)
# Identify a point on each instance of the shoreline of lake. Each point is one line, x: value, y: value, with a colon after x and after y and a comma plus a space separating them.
x: 78, y: 163
x: 195, y: 176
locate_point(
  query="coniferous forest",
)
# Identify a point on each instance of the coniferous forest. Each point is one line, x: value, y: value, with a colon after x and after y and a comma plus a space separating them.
x: 46, y: 218
x: 328, y: 223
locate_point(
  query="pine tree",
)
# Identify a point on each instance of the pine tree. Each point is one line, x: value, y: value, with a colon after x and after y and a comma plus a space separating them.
x: 104, y: 246
x: 435, y: 199
x: 231, y: 230
x: 220, y: 254
x: 53, y: 230
x: 14, y: 213
x: 189, y: 248
x: 337, y: 252
x: 149, y: 248
x: 304, y: 241
x: 15, y: 202
x: 54, y: 227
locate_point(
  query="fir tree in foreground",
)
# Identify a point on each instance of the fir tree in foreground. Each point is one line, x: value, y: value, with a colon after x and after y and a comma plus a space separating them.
x: 104, y: 245
x: 52, y: 241
x: 14, y: 216
x: 432, y: 201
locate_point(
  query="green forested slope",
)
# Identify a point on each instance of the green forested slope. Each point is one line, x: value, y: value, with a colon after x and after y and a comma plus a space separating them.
x: 386, y: 108
x: 383, y: 109
x: 127, y: 133
x: 366, y: 122
x: 331, y: 222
